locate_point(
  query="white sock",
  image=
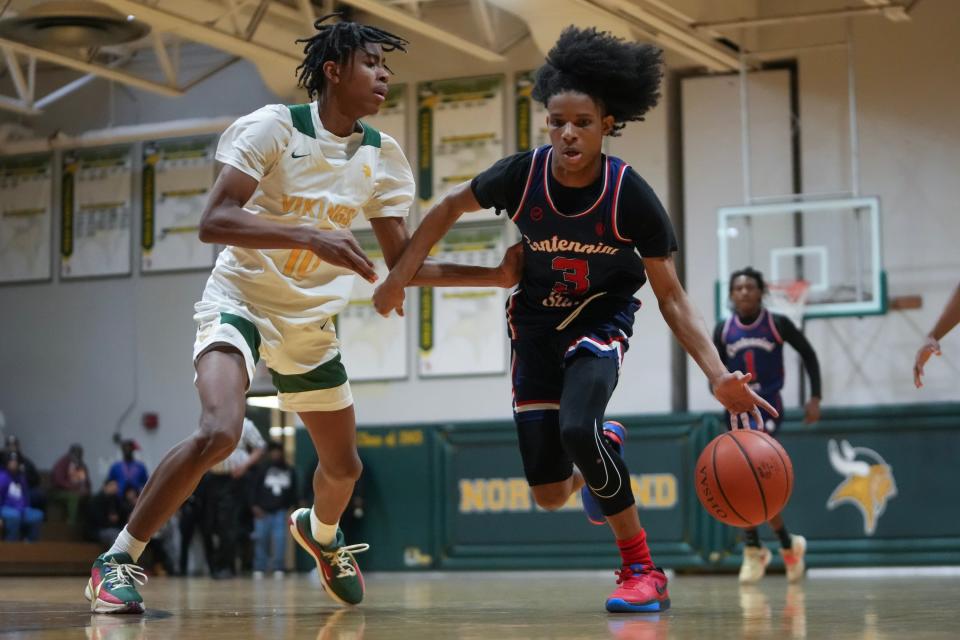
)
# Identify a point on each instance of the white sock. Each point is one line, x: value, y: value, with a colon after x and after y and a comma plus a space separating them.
x: 126, y: 543
x: 322, y: 532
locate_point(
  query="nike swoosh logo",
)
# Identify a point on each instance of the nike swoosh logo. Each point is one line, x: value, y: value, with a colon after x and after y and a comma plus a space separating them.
x: 294, y: 155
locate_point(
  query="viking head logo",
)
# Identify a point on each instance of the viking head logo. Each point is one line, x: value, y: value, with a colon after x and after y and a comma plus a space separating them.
x: 868, y: 483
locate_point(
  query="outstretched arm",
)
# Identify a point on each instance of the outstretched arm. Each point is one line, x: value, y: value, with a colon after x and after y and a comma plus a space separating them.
x: 931, y: 345
x: 225, y: 221
x: 439, y: 220
x: 393, y: 239
x: 730, y: 388
x: 721, y: 350
x: 795, y: 338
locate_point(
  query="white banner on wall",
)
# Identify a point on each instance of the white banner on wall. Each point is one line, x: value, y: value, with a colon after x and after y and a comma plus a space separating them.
x: 373, y: 347
x: 26, y: 214
x: 463, y: 329
x: 177, y: 177
x: 96, y: 212
x: 460, y: 128
x: 531, y: 115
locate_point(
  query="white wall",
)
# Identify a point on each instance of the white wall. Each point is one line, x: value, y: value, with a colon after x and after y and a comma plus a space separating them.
x: 909, y: 155
x: 78, y: 355
x: 712, y: 177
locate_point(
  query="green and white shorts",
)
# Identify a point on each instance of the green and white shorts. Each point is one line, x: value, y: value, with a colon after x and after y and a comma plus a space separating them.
x: 303, y: 355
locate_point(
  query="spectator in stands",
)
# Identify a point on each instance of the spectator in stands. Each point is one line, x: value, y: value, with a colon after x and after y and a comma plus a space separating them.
x: 106, y: 514
x: 274, y: 494
x: 129, y: 471
x: 225, y: 496
x: 19, y: 518
x: 71, y: 481
x: 37, y: 498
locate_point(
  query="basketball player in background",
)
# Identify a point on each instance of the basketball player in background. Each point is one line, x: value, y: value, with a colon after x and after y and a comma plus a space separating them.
x: 751, y: 340
x: 931, y: 345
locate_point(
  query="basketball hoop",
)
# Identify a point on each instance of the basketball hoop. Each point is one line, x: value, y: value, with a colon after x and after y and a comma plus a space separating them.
x: 789, y: 298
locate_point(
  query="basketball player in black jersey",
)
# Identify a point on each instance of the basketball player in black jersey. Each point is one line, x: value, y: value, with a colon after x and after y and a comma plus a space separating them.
x: 593, y: 232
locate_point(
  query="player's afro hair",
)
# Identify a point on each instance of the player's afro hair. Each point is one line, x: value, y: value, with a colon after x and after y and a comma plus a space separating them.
x: 336, y: 41
x: 622, y: 77
x: 749, y: 272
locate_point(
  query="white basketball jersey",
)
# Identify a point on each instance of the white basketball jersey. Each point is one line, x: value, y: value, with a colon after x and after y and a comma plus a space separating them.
x: 307, y: 176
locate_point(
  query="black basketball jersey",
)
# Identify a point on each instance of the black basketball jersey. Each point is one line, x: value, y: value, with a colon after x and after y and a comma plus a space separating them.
x: 578, y: 268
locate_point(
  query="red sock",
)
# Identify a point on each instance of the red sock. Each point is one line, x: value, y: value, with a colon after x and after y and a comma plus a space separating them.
x: 635, y: 550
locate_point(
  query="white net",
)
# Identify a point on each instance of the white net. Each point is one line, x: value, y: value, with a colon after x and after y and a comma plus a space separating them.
x: 788, y: 298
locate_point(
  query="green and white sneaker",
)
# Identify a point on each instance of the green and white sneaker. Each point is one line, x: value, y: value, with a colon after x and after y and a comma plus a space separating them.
x: 112, y: 587
x: 335, y: 562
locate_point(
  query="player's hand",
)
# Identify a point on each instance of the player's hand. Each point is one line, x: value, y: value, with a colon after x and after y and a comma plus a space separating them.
x: 511, y: 266
x: 339, y: 247
x: 734, y: 392
x: 930, y: 347
x: 811, y: 411
x: 388, y: 297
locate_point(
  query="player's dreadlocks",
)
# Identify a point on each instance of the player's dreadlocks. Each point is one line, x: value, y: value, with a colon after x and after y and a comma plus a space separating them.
x: 622, y: 77
x: 336, y: 41
x: 749, y: 272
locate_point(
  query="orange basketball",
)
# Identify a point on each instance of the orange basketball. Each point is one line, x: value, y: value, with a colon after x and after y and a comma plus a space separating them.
x: 744, y: 478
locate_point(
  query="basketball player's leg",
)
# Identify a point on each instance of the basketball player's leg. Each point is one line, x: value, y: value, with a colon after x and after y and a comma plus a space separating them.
x: 793, y: 547
x: 772, y: 426
x: 324, y: 402
x: 222, y: 375
x: 756, y: 556
x: 334, y: 436
x: 222, y: 384
x: 589, y: 382
x: 779, y: 527
x: 549, y: 471
x: 553, y: 495
x: 536, y: 375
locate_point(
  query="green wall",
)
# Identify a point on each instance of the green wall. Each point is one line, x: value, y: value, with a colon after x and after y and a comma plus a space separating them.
x: 452, y: 496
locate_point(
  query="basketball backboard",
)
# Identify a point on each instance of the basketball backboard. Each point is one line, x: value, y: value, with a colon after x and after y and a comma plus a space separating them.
x: 834, y: 245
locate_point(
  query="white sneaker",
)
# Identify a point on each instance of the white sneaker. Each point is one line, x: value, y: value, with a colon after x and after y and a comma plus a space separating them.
x: 793, y: 558
x: 258, y: 575
x: 755, y: 561
x: 278, y: 575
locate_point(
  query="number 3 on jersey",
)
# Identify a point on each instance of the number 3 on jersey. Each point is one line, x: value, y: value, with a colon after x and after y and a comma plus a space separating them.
x: 575, y: 272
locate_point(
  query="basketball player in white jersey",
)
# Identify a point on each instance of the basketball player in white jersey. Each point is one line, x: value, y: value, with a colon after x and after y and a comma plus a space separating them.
x: 294, y: 179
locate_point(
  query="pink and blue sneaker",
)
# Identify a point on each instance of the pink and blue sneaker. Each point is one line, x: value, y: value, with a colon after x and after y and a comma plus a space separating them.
x: 640, y: 589
x: 616, y: 435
